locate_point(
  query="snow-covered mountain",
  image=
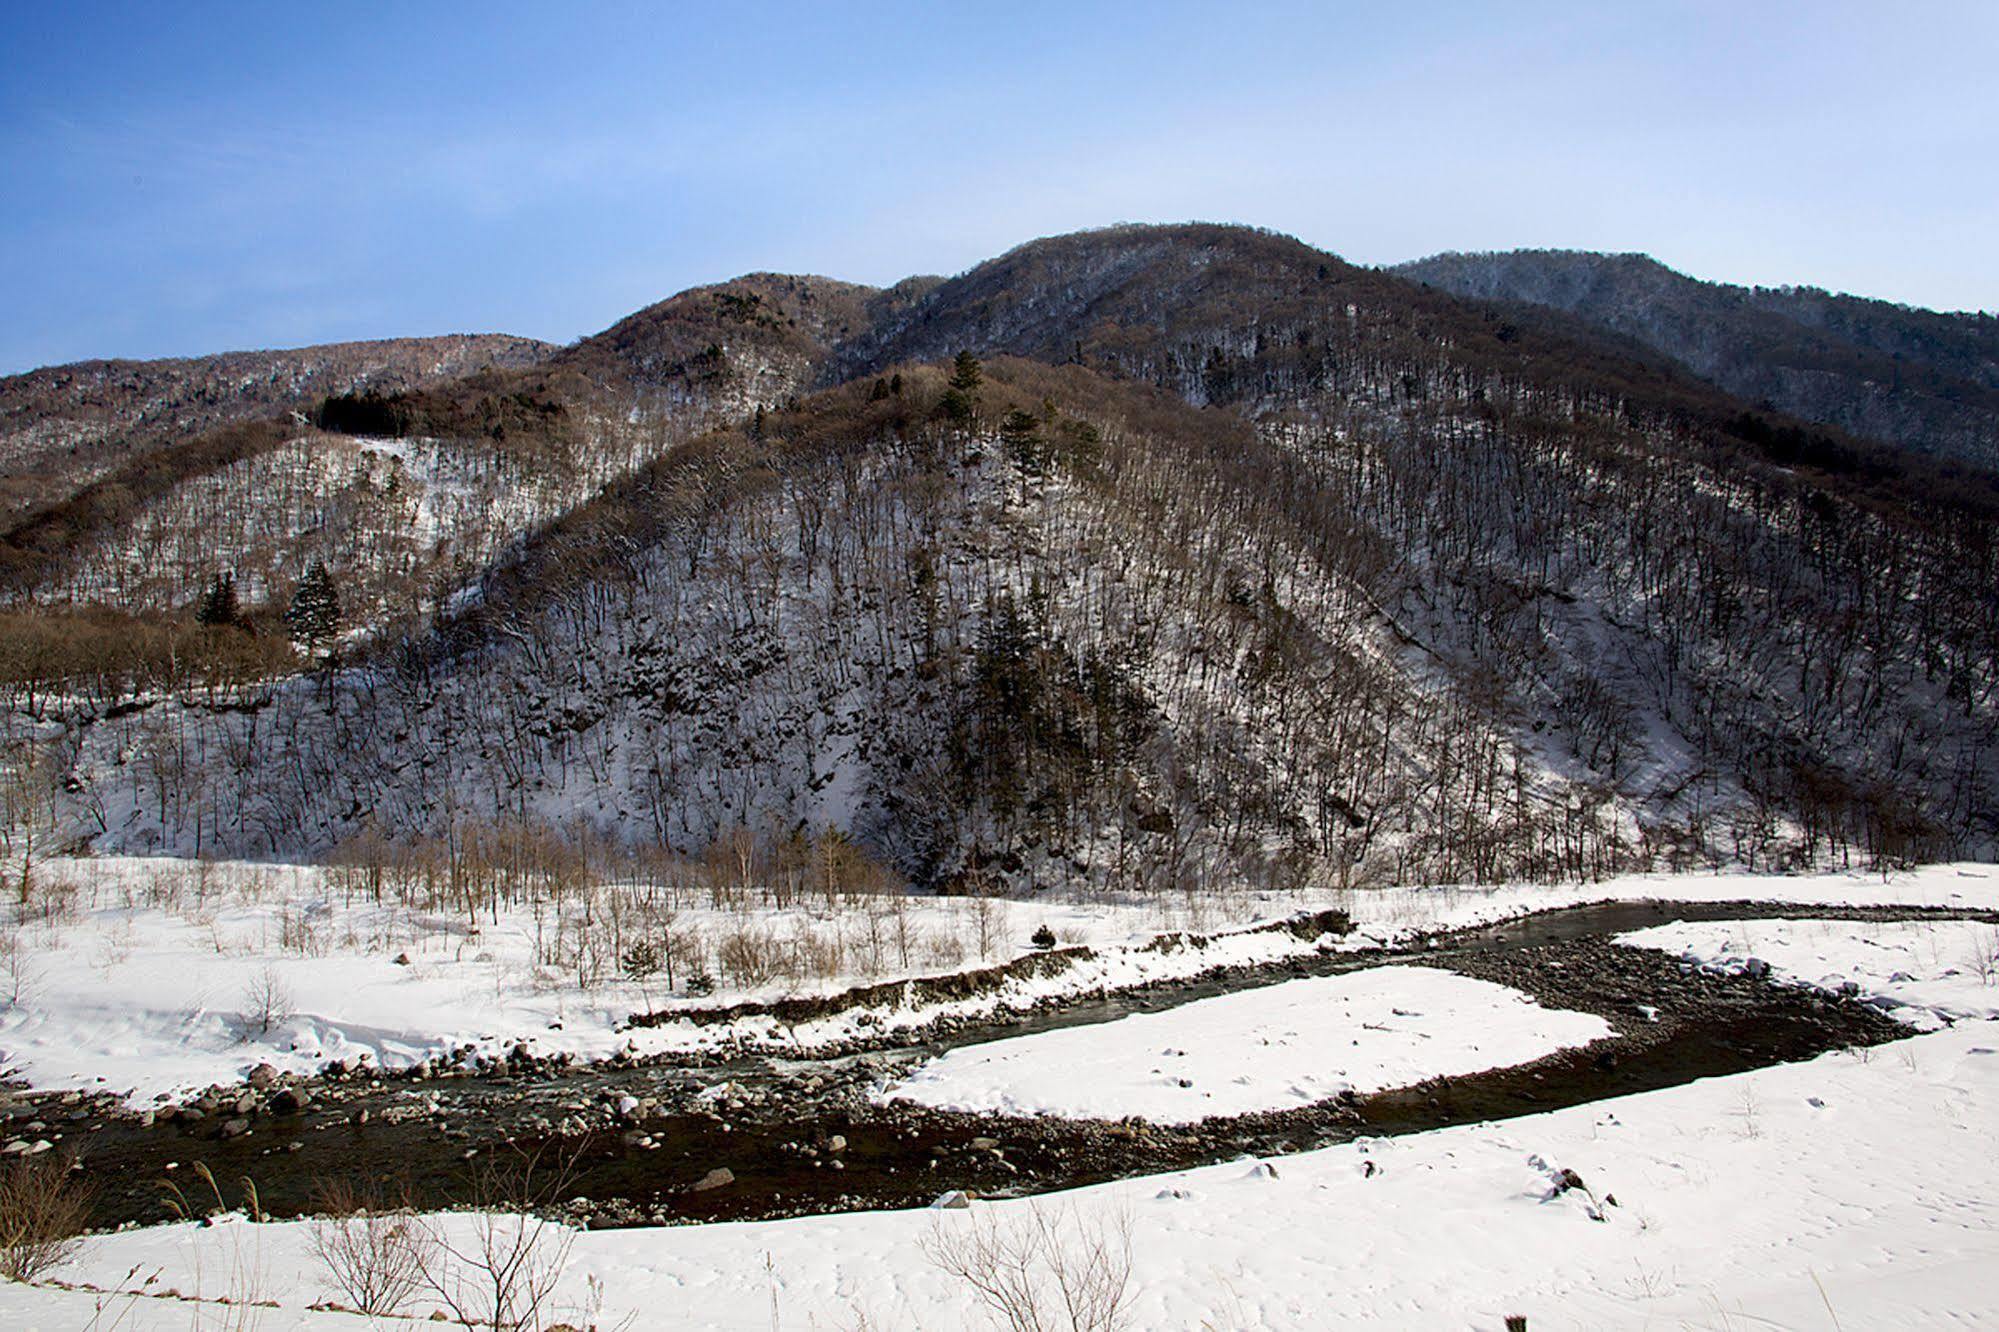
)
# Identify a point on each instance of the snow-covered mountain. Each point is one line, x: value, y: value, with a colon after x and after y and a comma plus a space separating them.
x: 1216, y: 560
x: 1925, y: 380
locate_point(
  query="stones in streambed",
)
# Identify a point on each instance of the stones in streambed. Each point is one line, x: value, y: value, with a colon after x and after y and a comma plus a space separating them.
x: 718, y: 1178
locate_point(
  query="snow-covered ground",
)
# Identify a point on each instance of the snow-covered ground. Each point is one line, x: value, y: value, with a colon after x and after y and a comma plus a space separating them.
x: 1926, y: 973
x: 150, y: 984
x: 160, y: 978
x: 1853, y: 1190
x: 1856, y: 1190
x: 1395, y: 913
x: 1274, y: 1048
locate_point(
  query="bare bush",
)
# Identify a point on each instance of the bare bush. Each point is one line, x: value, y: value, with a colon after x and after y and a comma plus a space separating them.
x: 1982, y: 953
x: 816, y: 953
x: 18, y: 969
x: 44, y: 1206
x: 1043, y: 1272
x: 498, y: 1267
x: 267, y: 1001
x: 373, y: 1248
x: 750, y: 956
x: 53, y: 901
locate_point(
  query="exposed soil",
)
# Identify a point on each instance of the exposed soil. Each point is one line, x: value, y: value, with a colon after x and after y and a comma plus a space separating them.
x: 626, y: 1142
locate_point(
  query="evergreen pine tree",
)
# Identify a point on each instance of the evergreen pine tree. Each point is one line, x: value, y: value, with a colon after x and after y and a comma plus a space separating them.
x: 218, y: 606
x: 313, y: 617
x: 961, y: 399
x: 1021, y: 434
x: 966, y: 376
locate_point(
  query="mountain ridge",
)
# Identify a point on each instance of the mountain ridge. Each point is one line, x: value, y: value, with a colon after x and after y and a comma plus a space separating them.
x: 1921, y: 379
x: 1236, y: 563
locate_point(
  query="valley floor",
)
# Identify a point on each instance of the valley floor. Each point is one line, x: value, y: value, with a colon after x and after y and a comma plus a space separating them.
x: 1857, y: 1189
x: 159, y: 977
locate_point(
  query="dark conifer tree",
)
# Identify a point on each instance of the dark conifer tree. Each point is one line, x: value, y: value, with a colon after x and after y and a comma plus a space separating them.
x: 313, y: 617
x: 961, y: 399
x: 218, y: 606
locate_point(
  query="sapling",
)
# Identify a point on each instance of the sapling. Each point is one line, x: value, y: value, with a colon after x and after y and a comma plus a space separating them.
x: 640, y: 962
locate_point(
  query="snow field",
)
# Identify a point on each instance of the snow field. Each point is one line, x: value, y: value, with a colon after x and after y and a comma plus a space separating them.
x: 1849, y: 1187
x: 1925, y: 973
x: 1275, y: 1048
x: 1853, y: 1190
x: 151, y: 981
x: 144, y: 984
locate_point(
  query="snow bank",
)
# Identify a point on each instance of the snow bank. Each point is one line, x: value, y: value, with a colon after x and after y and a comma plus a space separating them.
x: 1274, y: 1048
x: 1923, y: 972
x: 1389, y: 915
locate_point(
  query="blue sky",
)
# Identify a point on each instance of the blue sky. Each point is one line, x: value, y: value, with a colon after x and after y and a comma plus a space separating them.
x: 188, y: 178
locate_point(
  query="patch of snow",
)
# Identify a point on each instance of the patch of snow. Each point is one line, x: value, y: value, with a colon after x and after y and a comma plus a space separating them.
x: 1275, y: 1048
x: 1922, y: 972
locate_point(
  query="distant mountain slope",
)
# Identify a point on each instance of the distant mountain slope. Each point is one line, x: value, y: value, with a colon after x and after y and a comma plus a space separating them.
x: 1920, y: 379
x: 407, y: 487
x: 63, y: 426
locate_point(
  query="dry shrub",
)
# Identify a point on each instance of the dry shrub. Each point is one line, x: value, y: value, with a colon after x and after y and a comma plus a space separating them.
x: 499, y: 1267
x: 55, y: 902
x: 267, y: 1002
x: 1042, y: 1271
x: 817, y: 954
x: 44, y: 1206
x: 750, y: 956
x: 943, y: 950
x: 373, y: 1247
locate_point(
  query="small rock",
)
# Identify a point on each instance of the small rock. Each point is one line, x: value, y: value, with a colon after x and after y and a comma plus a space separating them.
x: 721, y: 1177
x: 235, y: 1128
x: 957, y: 1200
x: 836, y: 1144
x: 262, y: 1076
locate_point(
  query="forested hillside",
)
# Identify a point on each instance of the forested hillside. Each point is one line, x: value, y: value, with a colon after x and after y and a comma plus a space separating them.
x: 1923, y: 380
x: 1146, y: 559
x: 67, y: 425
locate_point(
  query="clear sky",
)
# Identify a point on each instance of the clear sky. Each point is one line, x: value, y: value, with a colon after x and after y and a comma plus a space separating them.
x: 185, y: 178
